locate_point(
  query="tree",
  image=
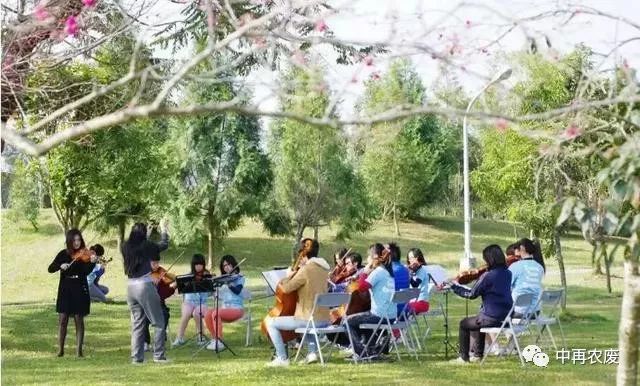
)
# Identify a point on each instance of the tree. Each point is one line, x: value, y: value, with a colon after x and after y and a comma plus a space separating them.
x: 221, y: 173
x: 610, y: 136
x: 25, y: 192
x: 406, y: 162
x: 314, y: 182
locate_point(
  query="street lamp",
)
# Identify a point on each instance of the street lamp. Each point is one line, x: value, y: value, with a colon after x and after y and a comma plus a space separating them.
x: 468, y: 261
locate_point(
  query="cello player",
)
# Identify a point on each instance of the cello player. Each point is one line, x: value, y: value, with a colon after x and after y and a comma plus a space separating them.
x: 308, y: 281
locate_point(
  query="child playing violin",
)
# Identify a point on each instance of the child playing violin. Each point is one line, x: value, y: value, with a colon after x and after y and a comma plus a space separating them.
x: 74, y: 262
x: 194, y: 304
x: 166, y: 285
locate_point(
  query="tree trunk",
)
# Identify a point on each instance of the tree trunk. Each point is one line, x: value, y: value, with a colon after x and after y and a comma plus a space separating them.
x: 315, y: 232
x: 395, y: 220
x: 607, y: 265
x: 628, y: 333
x: 597, y: 267
x: 121, y: 230
x: 210, y: 239
x: 294, y: 250
x: 563, y: 273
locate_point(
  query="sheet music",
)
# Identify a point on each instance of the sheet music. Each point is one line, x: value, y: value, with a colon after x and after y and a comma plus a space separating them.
x: 437, y: 273
x: 273, y: 277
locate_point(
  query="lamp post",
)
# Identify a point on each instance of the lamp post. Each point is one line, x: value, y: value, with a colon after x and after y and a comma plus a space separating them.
x: 468, y: 261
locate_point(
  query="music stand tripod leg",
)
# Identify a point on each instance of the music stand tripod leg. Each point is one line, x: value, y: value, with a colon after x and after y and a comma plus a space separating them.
x: 217, y: 303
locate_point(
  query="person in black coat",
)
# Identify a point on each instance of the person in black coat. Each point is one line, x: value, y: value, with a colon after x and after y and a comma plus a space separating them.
x: 73, y: 291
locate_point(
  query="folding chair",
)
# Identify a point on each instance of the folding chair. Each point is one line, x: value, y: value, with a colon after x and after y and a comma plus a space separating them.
x: 512, y: 327
x: 328, y: 300
x: 424, y: 317
x: 549, y: 305
x: 247, y: 296
x: 402, y: 324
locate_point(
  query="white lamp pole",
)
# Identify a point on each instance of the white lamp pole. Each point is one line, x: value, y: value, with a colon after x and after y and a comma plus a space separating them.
x: 468, y: 261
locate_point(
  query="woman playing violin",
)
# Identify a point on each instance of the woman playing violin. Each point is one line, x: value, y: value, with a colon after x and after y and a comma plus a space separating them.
x: 378, y: 277
x: 74, y: 262
x: 419, y: 279
x: 494, y: 286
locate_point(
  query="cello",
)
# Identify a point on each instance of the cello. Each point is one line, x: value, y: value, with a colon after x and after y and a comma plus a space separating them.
x: 285, y: 303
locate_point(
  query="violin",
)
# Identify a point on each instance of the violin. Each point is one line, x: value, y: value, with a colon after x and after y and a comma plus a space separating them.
x: 414, y: 267
x: 466, y: 277
x: 204, y: 274
x: 162, y: 275
x: 83, y: 255
x: 360, y: 300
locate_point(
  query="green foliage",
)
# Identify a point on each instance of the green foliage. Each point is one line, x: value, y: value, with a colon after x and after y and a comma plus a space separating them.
x: 505, y: 176
x: 314, y: 181
x: 221, y: 174
x: 25, y: 192
x: 113, y: 175
x: 406, y: 163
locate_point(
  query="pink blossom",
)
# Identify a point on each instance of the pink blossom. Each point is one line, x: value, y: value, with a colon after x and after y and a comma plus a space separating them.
x: 468, y: 23
x: 625, y: 64
x: 40, y: 12
x: 89, y: 3
x: 321, y: 26
x: 298, y: 58
x: 572, y: 131
x: 71, y: 26
x: 502, y: 125
x: 354, y: 78
x: 368, y: 60
x: 375, y: 75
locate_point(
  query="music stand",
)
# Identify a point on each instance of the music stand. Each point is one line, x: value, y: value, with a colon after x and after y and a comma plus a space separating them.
x: 188, y: 284
x: 218, y: 282
x: 445, y: 313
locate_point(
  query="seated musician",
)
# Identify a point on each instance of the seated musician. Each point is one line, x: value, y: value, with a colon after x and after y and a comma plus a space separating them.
x: 419, y: 279
x: 494, y: 286
x: 194, y: 304
x: 232, y: 303
x: 97, y: 291
x: 377, y: 277
x: 308, y: 281
x: 527, y: 275
x: 352, y: 269
x: 338, y: 274
x: 166, y: 286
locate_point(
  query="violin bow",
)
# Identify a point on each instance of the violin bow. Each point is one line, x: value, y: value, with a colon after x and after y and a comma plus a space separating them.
x: 175, y: 261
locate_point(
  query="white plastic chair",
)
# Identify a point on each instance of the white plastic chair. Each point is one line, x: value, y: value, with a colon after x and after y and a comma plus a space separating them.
x: 328, y: 300
x: 549, y: 305
x: 512, y: 327
x: 247, y: 318
x: 402, y: 324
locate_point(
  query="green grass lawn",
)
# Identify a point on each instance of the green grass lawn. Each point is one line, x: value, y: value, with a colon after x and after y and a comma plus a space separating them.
x: 29, y: 322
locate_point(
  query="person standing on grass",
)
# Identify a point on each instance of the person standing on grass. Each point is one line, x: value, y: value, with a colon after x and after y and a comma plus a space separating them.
x: 73, y: 291
x: 142, y: 296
